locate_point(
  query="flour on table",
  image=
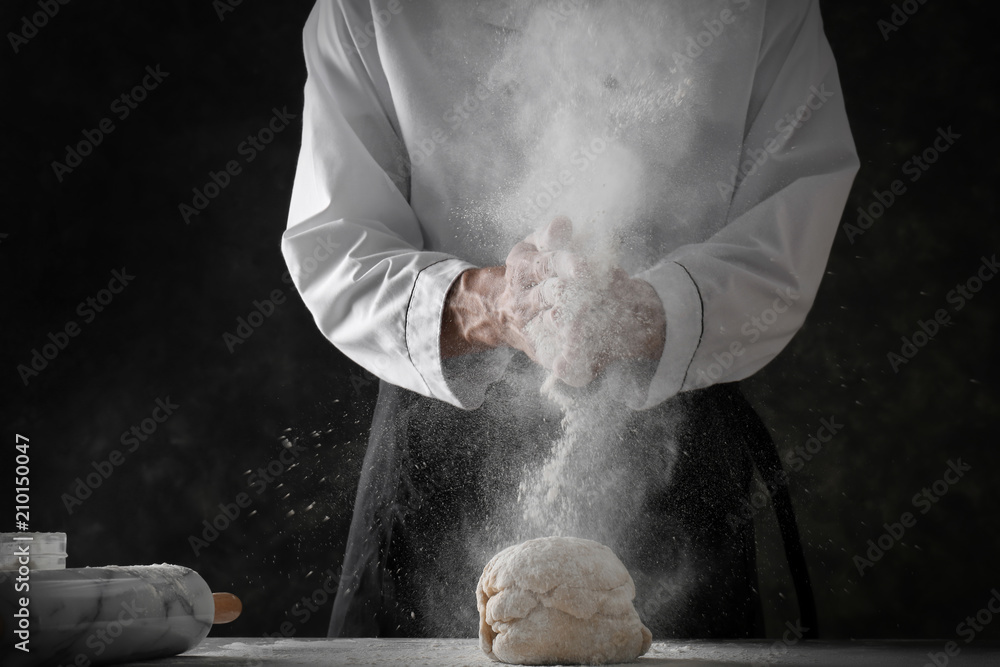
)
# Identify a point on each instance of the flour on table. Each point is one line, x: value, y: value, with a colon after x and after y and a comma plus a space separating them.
x: 559, y: 600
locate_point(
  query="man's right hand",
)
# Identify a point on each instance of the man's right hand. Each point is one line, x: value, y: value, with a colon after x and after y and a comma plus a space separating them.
x: 490, y: 307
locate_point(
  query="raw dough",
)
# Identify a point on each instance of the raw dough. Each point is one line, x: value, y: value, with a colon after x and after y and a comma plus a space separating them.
x: 558, y: 600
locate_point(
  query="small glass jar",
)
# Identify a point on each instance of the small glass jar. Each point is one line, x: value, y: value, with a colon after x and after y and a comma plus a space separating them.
x: 45, y: 551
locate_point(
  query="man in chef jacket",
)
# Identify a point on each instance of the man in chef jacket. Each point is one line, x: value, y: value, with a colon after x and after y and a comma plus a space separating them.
x: 632, y: 197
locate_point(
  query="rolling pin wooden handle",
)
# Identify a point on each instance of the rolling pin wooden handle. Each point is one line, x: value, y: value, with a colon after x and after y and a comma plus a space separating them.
x: 227, y: 607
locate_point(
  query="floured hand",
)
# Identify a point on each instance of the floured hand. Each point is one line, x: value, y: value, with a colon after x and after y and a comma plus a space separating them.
x: 566, y: 311
x: 590, y: 315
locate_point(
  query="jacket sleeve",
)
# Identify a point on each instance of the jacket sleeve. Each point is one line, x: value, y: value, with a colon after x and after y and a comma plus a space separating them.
x: 353, y: 246
x: 734, y: 302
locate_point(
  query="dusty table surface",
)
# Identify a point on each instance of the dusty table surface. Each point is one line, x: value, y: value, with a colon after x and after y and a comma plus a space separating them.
x: 251, y: 652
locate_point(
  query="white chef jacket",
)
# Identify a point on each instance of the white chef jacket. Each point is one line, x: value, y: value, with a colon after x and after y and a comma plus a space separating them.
x: 436, y: 133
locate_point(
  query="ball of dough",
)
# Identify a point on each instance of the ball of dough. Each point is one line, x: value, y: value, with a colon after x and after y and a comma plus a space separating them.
x: 557, y: 600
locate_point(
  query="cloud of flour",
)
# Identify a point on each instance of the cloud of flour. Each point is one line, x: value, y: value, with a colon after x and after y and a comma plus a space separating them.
x: 595, y: 123
x: 599, y: 108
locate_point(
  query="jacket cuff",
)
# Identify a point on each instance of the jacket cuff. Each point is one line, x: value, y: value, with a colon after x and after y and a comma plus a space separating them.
x: 682, y: 306
x: 462, y: 381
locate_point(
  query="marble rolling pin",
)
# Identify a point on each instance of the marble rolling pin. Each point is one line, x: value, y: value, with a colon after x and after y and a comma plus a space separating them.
x: 101, y: 615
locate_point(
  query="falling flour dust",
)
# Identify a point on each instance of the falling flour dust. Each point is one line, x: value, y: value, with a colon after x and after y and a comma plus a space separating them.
x: 595, y: 124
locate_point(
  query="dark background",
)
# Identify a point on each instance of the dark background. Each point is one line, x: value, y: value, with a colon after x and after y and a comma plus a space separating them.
x: 163, y: 335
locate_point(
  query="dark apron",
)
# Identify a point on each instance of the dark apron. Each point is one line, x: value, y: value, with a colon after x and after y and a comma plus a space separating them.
x: 439, y: 489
